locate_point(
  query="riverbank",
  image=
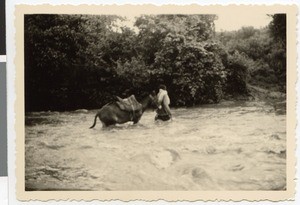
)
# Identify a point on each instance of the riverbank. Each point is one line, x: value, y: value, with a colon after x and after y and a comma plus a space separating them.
x: 274, y: 98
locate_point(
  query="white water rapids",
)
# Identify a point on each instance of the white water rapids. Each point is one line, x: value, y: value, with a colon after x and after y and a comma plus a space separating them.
x: 230, y: 146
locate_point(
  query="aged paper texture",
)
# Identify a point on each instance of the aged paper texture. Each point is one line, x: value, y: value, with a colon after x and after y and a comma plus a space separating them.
x: 57, y: 161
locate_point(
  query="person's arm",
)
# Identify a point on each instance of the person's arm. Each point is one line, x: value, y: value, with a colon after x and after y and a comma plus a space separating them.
x: 166, y: 105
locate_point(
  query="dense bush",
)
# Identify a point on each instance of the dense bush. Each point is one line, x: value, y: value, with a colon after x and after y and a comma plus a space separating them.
x: 277, y: 57
x: 193, y: 72
x: 83, y: 61
x: 263, y: 51
x: 237, y: 74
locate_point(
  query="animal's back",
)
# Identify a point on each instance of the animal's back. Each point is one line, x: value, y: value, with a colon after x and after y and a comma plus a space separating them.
x: 107, y: 114
x: 112, y: 114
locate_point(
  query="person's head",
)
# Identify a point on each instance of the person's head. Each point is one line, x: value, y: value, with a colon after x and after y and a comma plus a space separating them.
x: 162, y: 86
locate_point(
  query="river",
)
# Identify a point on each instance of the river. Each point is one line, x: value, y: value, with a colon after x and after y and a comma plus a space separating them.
x: 228, y: 146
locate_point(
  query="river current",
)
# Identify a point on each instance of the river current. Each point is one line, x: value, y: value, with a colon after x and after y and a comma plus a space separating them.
x: 229, y: 146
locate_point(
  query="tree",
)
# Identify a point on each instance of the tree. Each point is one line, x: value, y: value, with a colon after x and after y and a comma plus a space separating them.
x: 178, y: 52
x: 278, y: 28
x: 53, y: 49
x: 277, y: 58
x: 76, y: 61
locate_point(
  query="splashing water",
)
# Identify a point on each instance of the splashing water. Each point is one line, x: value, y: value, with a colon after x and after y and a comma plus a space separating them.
x: 228, y: 146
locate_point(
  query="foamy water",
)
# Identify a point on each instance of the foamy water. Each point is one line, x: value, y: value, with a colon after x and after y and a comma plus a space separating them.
x: 220, y: 147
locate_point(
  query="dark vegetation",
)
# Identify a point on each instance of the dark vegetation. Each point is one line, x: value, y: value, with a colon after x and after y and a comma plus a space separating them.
x: 82, y: 61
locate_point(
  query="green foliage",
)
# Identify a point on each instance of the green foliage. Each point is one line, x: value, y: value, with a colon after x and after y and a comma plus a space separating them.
x: 237, y: 74
x: 278, y: 28
x: 133, y: 73
x: 193, y: 70
x: 53, y: 45
x: 277, y: 58
x: 82, y: 61
x: 177, y: 53
x: 254, y: 43
x: 263, y: 51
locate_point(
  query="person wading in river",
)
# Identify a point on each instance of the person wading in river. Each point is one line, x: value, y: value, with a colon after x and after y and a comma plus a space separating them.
x: 163, y: 112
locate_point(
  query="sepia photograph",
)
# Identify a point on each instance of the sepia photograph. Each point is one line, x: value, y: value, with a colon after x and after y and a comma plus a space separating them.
x: 155, y: 102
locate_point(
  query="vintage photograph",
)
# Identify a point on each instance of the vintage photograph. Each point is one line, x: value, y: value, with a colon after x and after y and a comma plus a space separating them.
x: 155, y: 102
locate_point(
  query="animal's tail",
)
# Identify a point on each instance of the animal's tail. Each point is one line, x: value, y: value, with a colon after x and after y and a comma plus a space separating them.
x: 98, y: 113
x: 95, y: 121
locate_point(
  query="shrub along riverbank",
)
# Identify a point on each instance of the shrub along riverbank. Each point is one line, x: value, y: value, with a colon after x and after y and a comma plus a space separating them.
x: 82, y: 61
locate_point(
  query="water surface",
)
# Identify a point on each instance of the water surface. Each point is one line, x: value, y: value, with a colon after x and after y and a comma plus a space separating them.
x: 230, y: 146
